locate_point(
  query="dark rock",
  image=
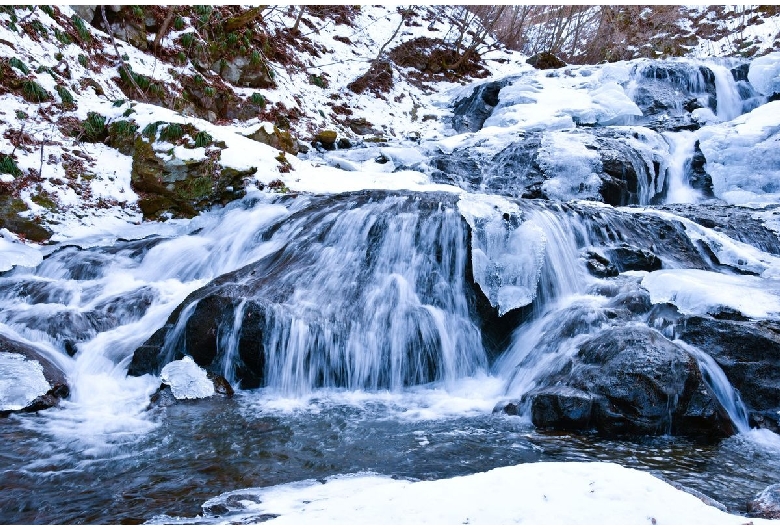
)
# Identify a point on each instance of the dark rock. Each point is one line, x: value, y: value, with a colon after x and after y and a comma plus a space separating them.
x: 631, y: 380
x: 748, y: 352
x: 599, y: 266
x: 510, y: 408
x: 344, y: 143
x: 698, y: 178
x: 469, y: 114
x: 767, y: 504
x: 628, y: 258
x: 221, y: 385
x: 545, y: 61
x: 561, y: 407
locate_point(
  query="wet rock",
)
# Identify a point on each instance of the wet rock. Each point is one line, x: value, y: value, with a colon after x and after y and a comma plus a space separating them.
x: 748, y: 352
x: 631, y: 380
x: 469, y: 114
x: 599, y: 266
x: 766, y: 504
x: 628, y: 258
x: 561, y: 407
x: 545, y: 61
x: 327, y: 139
x: 31, y: 381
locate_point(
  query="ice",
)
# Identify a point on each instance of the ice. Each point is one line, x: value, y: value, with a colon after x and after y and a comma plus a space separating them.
x: 698, y: 292
x: 22, y: 381
x: 187, y: 380
x: 764, y: 74
x: 742, y: 156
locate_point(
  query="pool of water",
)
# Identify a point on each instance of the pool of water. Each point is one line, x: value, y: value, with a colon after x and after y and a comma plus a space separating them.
x: 196, y: 450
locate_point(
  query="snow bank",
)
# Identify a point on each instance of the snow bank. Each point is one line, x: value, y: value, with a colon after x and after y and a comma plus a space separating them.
x: 13, y: 252
x: 539, y: 493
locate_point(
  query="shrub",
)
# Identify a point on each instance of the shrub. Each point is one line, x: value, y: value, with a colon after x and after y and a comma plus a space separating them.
x: 318, y: 80
x: 94, y: 127
x: 34, y: 92
x: 8, y: 165
x: 203, y: 139
x: 187, y: 39
x: 178, y: 24
x: 83, y: 60
x: 21, y: 115
x: 81, y: 28
x: 64, y: 38
x: 119, y: 102
x: 258, y: 99
x: 65, y: 95
x: 210, y: 92
x: 173, y: 131
x: 19, y: 65
x: 150, y: 131
x: 123, y: 129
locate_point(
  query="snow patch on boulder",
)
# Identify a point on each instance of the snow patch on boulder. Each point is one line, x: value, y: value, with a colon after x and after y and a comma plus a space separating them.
x: 22, y: 381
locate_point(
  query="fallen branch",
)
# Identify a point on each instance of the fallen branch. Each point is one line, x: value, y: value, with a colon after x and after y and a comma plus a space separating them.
x: 166, y: 25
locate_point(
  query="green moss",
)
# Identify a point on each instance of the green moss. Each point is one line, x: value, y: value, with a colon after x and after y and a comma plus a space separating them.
x: 178, y: 24
x: 21, y: 115
x: 197, y: 188
x: 83, y: 61
x: 258, y: 99
x: 44, y: 200
x: 210, y: 92
x: 48, y: 10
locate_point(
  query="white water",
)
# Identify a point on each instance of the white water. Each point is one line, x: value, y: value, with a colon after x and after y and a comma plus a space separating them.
x: 681, y: 149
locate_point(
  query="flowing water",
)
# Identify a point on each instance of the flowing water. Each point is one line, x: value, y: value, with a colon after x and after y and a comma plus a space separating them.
x: 374, y: 360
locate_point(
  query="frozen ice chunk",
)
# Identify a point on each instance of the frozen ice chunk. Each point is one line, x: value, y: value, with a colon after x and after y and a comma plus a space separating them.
x: 697, y: 292
x: 764, y: 74
x: 22, y: 381
x: 187, y: 380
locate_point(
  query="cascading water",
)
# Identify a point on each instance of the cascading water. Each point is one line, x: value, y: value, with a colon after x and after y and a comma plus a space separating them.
x: 366, y: 314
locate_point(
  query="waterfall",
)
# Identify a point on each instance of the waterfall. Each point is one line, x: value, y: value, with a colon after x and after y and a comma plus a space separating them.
x: 681, y: 150
x: 729, y: 101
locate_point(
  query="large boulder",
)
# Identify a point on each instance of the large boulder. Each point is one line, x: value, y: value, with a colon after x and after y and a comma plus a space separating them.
x: 30, y: 382
x: 631, y: 380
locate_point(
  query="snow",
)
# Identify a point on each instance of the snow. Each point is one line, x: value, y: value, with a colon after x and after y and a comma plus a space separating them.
x: 550, y: 493
x: 13, y: 252
x: 22, y: 381
x: 699, y: 292
x: 187, y: 380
